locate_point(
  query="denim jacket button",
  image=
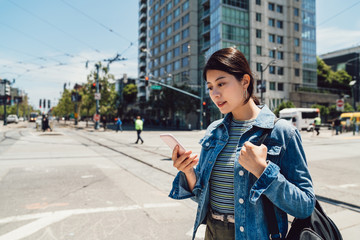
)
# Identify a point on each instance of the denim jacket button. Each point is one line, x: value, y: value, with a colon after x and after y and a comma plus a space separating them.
x: 242, y: 229
x: 207, y: 144
x: 241, y: 173
x: 241, y: 201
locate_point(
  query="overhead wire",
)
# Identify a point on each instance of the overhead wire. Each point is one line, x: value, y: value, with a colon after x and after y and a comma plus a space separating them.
x: 53, y: 25
x: 337, y: 14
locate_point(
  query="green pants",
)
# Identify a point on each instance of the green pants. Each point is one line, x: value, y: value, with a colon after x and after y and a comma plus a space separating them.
x: 219, y: 230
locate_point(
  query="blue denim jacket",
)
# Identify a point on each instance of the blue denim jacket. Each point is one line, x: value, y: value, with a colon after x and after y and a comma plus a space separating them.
x: 286, y: 180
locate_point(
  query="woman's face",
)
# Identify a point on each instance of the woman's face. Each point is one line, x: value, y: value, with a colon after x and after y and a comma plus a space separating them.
x: 225, y: 91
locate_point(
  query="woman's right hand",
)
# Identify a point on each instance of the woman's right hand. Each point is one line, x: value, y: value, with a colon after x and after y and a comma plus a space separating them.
x: 184, y: 162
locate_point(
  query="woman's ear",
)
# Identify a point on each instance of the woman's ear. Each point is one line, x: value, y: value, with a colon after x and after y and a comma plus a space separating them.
x: 246, y: 80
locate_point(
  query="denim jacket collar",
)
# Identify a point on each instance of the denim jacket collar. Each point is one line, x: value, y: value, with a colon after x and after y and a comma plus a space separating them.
x: 265, y: 119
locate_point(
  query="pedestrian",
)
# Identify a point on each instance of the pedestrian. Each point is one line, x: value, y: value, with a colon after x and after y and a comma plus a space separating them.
x: 337, y: 125
x: 118, y: 124
x: 45, y: 123
x: 104, y: 122
x: 139, y: 127
x: 317, y: 124
x: 233, y: 174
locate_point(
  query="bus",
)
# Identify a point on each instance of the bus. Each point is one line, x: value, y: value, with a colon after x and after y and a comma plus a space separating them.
x: 301, y: 118
x: 33, y: 116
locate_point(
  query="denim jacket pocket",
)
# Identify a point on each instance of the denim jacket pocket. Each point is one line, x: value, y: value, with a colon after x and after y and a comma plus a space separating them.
x: 207, y: 143
x: 273, y: 153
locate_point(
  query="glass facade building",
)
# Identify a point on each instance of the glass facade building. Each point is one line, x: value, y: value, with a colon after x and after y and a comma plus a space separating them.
x: 181, y: 35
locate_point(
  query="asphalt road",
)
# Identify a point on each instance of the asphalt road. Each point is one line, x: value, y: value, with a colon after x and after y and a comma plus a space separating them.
x: 77, y: 183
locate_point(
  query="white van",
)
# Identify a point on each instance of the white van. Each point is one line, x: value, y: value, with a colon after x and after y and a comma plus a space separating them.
x: 301, y: 118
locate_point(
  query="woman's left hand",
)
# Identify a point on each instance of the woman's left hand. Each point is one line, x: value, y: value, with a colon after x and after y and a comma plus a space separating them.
x: 253, y: 158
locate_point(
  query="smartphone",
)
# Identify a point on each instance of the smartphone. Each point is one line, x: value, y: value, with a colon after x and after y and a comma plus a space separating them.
x: 171, y: 141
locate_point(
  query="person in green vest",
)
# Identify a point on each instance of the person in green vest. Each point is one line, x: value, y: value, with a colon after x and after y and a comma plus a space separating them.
x: 317, y: 123
x: 139, y: 127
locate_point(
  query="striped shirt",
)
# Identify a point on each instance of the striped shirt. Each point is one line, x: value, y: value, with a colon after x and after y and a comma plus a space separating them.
x: 222, y: 176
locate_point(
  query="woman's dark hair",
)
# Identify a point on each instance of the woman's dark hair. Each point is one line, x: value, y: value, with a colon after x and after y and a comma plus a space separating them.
x: 232, y: 61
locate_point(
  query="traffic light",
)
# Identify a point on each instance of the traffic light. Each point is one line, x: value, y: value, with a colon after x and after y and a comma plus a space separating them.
x: 204, y: 103
x: 49, y: 104
x: 40, y: 103
x: 44, y: 103
x: 93, y: 86
x: 146, y: 81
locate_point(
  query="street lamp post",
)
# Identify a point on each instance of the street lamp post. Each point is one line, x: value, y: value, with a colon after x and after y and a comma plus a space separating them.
x: 352, y: 85
x: 262, y: 70
x: 97, y: 92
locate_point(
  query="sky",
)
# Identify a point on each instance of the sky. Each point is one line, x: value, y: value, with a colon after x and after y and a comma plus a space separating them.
x: 46, y: 43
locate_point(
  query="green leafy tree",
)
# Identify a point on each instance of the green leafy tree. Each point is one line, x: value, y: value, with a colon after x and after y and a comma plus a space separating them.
x: 130, y: 92
x: 287, y: 104
x: 328, y: 78
x: 108, y: 93
x: 64, y: 107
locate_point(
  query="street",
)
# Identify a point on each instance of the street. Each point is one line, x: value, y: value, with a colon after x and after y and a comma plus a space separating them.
x: 78, y: 183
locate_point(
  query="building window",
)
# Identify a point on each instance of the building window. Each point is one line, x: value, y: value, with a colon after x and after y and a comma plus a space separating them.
x: 271, y: 6
x: 280, y: 86
x: 297, y: 57
x: 185, y: 33
x: 258, y: 17
x: 177, y: 25
x: 272, y: 53
x: 296, y: 12
x: 279, y: 8
x: 176, y: 38
x: 272, y: 69
x: 280, y: 55
x: 297, y: 42
x: 258, y: 33
x: 177, y: 65
x: 258, y: 67
x: 169, y: 18
x: 271, y: 38
x: 271, y: 22
x: 185, y: 47
x: 169, y: 30
x: 177, y: 12
x: 169, y: 56
x: 176, y: 51
x: 185, y: 62
x: 272, y: 86
x: 258, y: 2
x: 297, y: 72
x: 279, y: 24
x: 280, y: 39
x: 296, y: 27
x: 185, y: 19
x: 169, y: 6
x: 185, y: 5
x: 280, y: 71
x: 258, y: 50
x: 169, y: 43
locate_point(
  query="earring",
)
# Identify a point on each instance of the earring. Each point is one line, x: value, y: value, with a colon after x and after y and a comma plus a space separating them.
x: 245, y: 93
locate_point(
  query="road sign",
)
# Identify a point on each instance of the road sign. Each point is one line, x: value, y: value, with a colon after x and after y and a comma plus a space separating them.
x: 340, y: 105
x: 97, y: 96
x: 156, y: 87
x: 96, y: 117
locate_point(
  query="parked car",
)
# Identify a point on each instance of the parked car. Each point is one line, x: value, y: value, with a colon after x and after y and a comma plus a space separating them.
x: 21, y: 119
x: 12, y: 118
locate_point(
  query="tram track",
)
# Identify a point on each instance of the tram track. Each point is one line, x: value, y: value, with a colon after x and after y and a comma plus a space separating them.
x: 335, y: 202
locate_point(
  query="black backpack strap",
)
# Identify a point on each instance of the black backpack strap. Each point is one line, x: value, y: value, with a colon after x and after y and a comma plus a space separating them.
x: 268, y: 206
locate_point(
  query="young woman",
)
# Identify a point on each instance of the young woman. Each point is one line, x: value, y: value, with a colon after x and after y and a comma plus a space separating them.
x: 233, y: 173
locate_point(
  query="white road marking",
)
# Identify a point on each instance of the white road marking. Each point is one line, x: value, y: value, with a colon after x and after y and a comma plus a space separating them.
x: 350, y: 185
x: 47, y: 218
